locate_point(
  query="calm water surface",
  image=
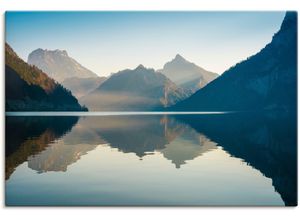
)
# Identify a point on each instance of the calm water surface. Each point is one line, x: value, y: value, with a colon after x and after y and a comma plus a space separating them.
x: 217, y: 159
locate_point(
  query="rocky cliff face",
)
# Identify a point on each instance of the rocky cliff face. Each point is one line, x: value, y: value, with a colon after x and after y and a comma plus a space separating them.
x: 58, y: 65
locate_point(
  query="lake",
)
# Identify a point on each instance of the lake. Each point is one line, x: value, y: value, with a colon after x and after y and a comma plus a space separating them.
x: 151, y: 159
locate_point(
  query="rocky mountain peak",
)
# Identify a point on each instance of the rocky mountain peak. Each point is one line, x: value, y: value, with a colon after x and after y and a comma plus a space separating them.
x: 60, y: 52
x: 178, y: 57
x: 187, y: 74
x: 58, y: 65
x: 140, y: 67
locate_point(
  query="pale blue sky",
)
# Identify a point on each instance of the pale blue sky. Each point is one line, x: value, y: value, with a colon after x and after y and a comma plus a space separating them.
x: 107, y: 42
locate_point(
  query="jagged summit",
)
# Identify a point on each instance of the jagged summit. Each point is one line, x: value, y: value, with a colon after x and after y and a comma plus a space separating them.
x: 58, y: 65
x: 187, y: 74
x: 178, y: 57
x: 38, y: 50
x: 140, y: 67
x: 56, y: 51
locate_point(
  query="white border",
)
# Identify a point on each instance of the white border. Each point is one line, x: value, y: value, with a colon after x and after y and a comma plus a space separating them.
x: 136, y: 213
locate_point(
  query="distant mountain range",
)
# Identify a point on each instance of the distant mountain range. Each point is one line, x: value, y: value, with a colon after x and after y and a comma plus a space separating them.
x: 66, y: 70
x: 266, y: 80
x: 138, y: 89
x: 27, y: 88
x: 186, y: 74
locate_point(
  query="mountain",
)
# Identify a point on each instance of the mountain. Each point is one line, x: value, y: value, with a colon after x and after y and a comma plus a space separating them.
x: 82, y: 86
x: 58, y: 65
x: 266, y: 80
x: 186, y: 74
x: 27, y: 88
x: 130, y: 90
x: 66, y: 70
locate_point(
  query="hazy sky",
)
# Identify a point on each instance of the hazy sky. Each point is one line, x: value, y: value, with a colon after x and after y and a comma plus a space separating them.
x: 107, y: 42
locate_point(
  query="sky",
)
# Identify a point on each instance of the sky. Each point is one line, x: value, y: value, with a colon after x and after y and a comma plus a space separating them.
x: 107, y: 42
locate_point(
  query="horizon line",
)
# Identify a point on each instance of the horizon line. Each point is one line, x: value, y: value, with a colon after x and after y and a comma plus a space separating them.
x: 112, y: 113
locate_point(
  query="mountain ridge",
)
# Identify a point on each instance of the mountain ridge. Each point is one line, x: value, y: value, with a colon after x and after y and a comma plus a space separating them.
x: 66, y: 70
x: 266, y: 80
x: 186, y: 74
x: 27, y: 88
x: 58, y: 64
x: 138, y: 89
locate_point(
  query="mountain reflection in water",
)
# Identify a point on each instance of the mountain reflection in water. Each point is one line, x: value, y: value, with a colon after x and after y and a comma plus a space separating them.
x: 266, y: 142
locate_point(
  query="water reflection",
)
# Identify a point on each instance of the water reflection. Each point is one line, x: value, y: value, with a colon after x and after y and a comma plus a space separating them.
x: 187, y: 146
x: 58, y: 156
x: 28, y: 136
x: 266, y: 142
